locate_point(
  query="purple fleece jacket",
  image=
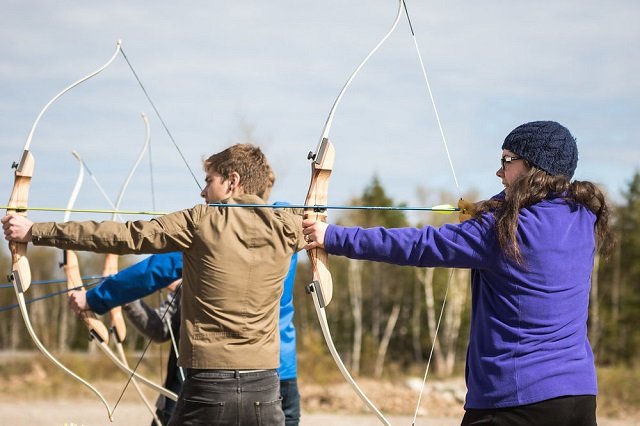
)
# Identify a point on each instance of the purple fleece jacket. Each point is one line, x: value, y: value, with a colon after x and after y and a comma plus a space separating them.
x: 528, y: 338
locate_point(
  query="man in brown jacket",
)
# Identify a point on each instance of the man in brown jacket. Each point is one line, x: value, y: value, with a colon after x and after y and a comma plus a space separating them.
x: 234, y: 262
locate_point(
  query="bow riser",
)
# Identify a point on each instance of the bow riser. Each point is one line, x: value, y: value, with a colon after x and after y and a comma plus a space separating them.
x: 321, y: 168
x: 118, y: 326
x: 321, y: 289
x: 322, y: 286
x: 72, y: 271
x: 20, y: 270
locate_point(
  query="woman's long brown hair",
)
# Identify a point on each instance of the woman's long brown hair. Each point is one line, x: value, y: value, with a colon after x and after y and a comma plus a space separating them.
x: 533, y: 187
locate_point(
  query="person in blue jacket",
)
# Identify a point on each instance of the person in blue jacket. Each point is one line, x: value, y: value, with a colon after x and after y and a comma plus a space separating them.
x: 531, y: 250
x: 159, y: 271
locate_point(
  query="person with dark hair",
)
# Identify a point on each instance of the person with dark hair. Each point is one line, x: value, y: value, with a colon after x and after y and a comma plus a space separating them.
x: 234, y: 263
x: 531, y: 250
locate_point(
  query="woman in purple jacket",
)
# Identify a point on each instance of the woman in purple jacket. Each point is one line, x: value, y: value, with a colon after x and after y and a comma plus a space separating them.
x: 531, y: 250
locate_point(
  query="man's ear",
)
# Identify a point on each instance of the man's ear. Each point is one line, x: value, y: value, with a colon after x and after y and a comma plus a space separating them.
x: 234, y: 180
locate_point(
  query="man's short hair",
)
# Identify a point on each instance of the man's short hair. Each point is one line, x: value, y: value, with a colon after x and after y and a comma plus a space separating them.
x: 256, y: 176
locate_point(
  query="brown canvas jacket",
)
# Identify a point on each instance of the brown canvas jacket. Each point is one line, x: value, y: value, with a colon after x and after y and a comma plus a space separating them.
x: 234, y: 263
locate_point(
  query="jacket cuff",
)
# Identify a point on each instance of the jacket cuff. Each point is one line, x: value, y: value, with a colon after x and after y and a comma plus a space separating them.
x: 96, y: 303
x: 40, y: 232
x: 330, y: 237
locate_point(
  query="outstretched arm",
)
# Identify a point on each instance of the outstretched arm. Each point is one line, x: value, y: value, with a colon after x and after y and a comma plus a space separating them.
x: 137, y: 281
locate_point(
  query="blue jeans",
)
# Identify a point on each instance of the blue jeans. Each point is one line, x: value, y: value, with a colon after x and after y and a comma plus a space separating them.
x: 290, y: 401
x: 223, y: 397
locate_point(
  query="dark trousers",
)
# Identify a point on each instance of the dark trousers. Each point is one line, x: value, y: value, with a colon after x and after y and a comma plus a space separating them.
x: 290, y: 401
x: 564, y: 411
x: 165, y: 407
x: 216, y: 397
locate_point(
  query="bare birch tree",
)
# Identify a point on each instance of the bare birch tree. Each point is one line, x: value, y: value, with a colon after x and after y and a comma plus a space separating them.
x: 456, y: 298
x: 355, y: 293
x: 416, y: 321
x: 425, y: 275
x: 386, y: 338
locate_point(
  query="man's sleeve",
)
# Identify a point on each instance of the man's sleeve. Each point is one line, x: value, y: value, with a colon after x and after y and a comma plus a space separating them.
x: 163, y: 234
x: 136, y: 281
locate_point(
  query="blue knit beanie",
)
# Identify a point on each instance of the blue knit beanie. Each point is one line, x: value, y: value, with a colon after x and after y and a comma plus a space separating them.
x: 546, y: 144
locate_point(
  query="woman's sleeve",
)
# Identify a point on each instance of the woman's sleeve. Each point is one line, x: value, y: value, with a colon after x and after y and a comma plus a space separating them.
x: 466, y: 245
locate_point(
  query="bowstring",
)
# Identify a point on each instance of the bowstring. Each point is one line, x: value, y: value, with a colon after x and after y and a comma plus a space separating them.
x: 151, y: 179
x: 164, y: 125
x: 49, y: 295
x: 55, y: 281
x: 153, y: 202
x: 159, y: 293
x: 146, y: 348
x: 432, y: 98
x: 455, y: 178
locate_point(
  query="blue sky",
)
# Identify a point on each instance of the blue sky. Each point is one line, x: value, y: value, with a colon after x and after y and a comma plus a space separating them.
x: 216, y: 68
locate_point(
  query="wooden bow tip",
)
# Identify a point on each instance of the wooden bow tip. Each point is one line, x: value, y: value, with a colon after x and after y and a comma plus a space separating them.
x: 21, y: 273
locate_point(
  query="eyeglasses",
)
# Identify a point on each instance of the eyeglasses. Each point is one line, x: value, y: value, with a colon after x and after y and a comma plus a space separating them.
x: 507, y: 159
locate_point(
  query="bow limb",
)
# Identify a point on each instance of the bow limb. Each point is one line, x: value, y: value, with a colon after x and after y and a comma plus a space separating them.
x: 174, y: 343
x: 466, y: 209
x: 321, y: 288
x: 101, y: 336
x: 329, y: 122
x: 40, y: 346
x: 21, y: 271
x: 97, y: 330
x: 119, y: 331
x: 145, y: 148
x: 118, y: 327
x: 320, y: 311
x: 84, y: 166
x: 145, y: 401
x: 66, y: 89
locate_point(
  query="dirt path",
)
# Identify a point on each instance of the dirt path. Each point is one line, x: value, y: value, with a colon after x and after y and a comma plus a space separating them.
x: 32, y: 394
x: 89, y: 413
